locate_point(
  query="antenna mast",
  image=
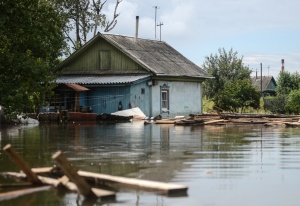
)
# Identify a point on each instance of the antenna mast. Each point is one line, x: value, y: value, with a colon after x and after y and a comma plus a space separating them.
x: 155, y: 7
x: 160, y: 24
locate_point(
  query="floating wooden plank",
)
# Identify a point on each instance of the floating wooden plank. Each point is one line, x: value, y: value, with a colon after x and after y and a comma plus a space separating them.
x: 155, y: 186
x: 160, y: 187
x: 57, y: 183
x: 32, y: 177
x: 83, y: 187
x: 292, y: 124
x: 42, y: 170
x: 18, y: 193
x: 165, y: 121
x: 215, y: 121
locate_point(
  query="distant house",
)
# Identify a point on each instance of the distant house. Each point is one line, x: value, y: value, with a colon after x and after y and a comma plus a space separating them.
x: 266, y: 84
x: 114, y: 72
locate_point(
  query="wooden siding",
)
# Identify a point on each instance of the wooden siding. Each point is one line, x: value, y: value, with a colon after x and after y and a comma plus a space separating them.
x: 89, y: 59
x: 106, y: 99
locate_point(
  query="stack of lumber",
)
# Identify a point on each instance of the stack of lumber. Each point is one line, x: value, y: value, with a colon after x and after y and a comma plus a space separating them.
x: 227, y: 119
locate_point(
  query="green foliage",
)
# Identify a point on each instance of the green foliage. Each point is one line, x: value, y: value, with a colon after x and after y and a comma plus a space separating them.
x: 83, y: 18
x: 287, y: 82
x: 31, y: 40
x: 224, y: 67
x: 293, y: 102
x: 231, y: 88
x: 277, y: 104
x: 208, y: 105
x: 237, y: 94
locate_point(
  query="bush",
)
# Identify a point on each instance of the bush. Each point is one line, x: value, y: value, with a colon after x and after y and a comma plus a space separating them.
x: 277, y: 104
x: 293, y: 102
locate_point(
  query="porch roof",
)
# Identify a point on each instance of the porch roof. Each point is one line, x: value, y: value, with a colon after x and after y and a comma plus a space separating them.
x: 99, y: 80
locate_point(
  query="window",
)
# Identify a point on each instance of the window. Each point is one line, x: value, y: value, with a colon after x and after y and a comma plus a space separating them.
x: 164, y: 98
x: 104, y: 60
x: 143, y: 91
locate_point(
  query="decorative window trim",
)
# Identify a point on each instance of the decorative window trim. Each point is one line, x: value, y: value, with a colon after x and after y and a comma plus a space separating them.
x: 164, y: 98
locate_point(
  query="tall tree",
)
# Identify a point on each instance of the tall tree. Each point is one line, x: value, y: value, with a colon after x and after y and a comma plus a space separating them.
x: 85, y: 17
x: 287, y: 82
x: 31, y: 40
x: 224, y: 67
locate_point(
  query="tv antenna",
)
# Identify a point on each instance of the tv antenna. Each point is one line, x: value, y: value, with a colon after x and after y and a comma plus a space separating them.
x: 160, y: 24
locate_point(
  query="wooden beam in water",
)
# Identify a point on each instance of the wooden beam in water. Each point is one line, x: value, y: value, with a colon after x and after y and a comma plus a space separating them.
x: 22, y: 164
x: 83, y: 187
x: 18, y: 193
x: 160, y: 187
x: 62, y: 182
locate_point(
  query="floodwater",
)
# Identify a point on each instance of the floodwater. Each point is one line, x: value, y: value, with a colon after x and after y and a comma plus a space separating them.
x: 221, y: 165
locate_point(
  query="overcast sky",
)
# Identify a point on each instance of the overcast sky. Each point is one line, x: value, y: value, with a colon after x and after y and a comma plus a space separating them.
x: 261, y: 31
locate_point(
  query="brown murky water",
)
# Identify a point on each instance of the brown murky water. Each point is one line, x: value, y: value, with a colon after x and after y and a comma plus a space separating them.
x: 221, y: 165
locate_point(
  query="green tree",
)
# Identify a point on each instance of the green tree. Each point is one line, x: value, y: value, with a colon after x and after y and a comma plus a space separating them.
x: 224, y: 67
x: 293, y: 102
x: 235, y: 95
x: 31, y: 40
x: 85, y: 17
x: 287, y: 82
x: 277, y: 104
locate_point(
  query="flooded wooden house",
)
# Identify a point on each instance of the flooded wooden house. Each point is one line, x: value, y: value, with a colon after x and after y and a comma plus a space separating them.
x: 115, y: 72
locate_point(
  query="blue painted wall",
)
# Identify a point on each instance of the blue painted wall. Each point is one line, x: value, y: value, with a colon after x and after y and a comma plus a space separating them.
x: 140, y: 95
x: 107, y: 99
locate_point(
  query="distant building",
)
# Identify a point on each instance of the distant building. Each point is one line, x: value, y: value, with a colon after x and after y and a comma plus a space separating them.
x: 115, y: 72
x: 266, y: 84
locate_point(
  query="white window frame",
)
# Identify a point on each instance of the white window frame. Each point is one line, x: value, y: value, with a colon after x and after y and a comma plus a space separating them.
x: 165, y: 98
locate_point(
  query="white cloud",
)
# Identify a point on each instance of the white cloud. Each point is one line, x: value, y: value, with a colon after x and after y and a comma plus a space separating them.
x: 260, y: 30
x: 271, y: 64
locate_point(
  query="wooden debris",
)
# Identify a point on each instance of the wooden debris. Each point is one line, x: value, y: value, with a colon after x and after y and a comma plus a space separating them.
x: 18, y: 193
x: 215, y: 121
x: 160, y: 187
x: 103, y: 179
x: 59, y: 182
x: 71, y: 173
x: 229, y: 119
x: 32, y: 177
x: 292, y: 124
x: 165, y: 121
x: 79, y: 179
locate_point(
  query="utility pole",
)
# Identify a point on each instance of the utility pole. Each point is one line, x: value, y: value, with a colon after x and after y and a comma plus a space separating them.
x: 160, y: 24
x: 261, y: 77
x: 155, y: 7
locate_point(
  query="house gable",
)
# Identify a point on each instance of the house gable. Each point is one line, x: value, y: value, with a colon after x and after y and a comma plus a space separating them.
x: 100, y: 57
x: 116, y: 54
x: 266, y: 83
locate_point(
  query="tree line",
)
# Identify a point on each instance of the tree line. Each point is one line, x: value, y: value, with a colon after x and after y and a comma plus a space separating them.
x: 231, y: 90
x: 34, y: 35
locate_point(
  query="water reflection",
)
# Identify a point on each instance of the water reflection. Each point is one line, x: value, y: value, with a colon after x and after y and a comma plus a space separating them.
x: 214, y: 161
